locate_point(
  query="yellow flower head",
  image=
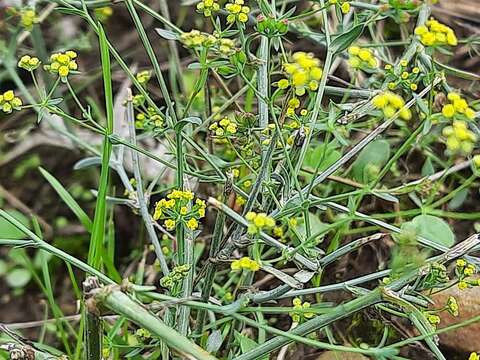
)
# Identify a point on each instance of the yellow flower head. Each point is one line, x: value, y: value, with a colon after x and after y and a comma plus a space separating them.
x: 303, y: 73
x: 245, y: 263
x: 10, y: 102
x: 208, y: 7
x: 237, y: 11
x: 433, y: 33
x: 28, y: 62
x: 62, y: 63
x: 390, y: 103
x: 459, y: 139
x: 362, y: 58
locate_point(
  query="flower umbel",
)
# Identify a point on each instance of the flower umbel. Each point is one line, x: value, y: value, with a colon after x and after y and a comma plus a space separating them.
x: 179, y: 206
x: 390, y: 103
x: 245, y: 263
x: 362, y: 58
x: 433, y: 33
x: 302, y: 74
x: 28, y: 62
x: 9, y: 102
x: 258, y: 222
x: 237, y: 11
x: 459, y: 139
x: 208, y: 7
x: 62, y: 63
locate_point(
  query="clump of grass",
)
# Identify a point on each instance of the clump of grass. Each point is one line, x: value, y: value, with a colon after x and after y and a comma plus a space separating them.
x: 281, y: 170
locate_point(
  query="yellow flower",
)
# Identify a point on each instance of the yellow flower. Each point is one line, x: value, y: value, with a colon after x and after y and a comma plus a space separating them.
x: 283, y: 84
x: 28, y: 63
x: 452, y: 306
x: 169, y: 224
x: 245, y: 263
x: 434, y: 33
x: 474, y: 356
x: 462, y: 285
x: 143, y: 76
x: 390, y: 103
x: 448, y: 111
x: 208, y: 7
x: 28, y: 18
x: 237, y: 11
x: 303, y: 73
x: 10, y: 102
x: 362, y: 58
x: 62, y: 63
x: 345, y: 7
x: 258, y: 222
x: 192, y: 224
x: 459, y: 138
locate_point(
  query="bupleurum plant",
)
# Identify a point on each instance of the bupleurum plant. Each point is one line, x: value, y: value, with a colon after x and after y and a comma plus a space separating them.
x: 239, y: 179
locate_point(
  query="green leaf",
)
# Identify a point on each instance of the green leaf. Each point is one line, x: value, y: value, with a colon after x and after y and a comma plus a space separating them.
x: 434, y: 229
x: 18, y: 278
x: 458, y: 199
x: 166, y: 34
x: 247, y: 344
x: 345, y: 39
x: 68, y: 199
x: 98, y: 227
x: 10, y: 231
x: 316, y: 225
x: 370, y: 160
x: 194, y: 120
x: 457, y: 72
x: 315, y: 155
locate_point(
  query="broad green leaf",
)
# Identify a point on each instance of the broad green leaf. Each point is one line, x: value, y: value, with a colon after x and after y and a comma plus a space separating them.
x: 18, y: 278
x: 316, y: 225
x: 166, y: 34
x: 370, y: 160
x: 434, y: 229
x: 247, y: 344
x: 345, y: 39
x: 68, y: 199
x: 458, y: 199
x: 10, y: 231
x: 315, y: 155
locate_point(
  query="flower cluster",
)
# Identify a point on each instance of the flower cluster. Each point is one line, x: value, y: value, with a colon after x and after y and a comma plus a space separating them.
x: 303, y: 73
x: 196, y: 39
x: 258, y: 222
x: 474, y: 356
x: 362, y: 58
x: 463, y: 271
x: 434, y: 33
x: 143, y: 76
x: 452, y: 306
x: 62, y: 63
x: 459, y: 137
x: 208, y: 7
x: 150, y: 120
x: 237, y: 11
x: 390, y: 103
x: 223, y: 128
x: 28, y: 18
x: 177, y: 274
x: 457, y: 108
x: 245, y: 263
x: 344, y: 5
x: 28, y: 62
x: 299, y: 313
x: 180, y: 207
x: 406, y: 78
x: 433, y: 319
x: 9, y: 102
